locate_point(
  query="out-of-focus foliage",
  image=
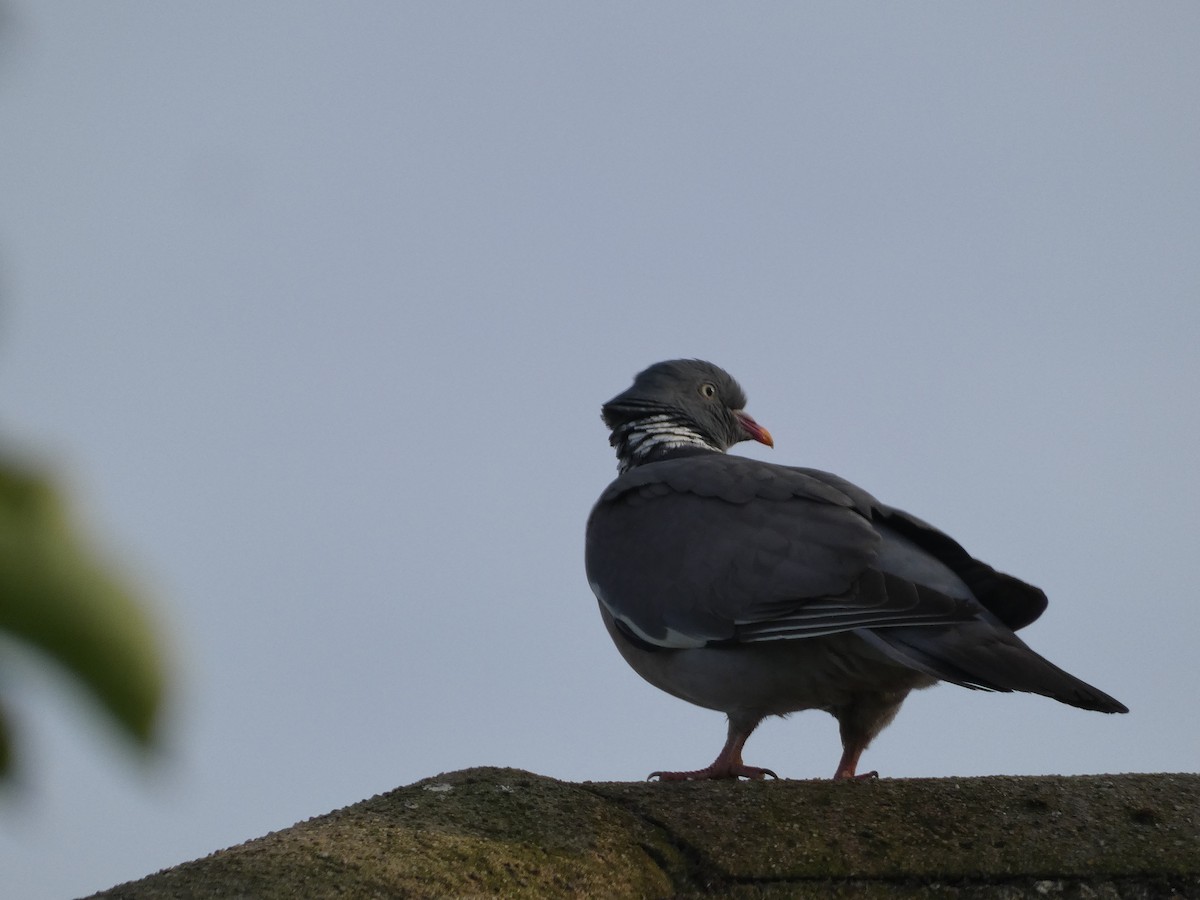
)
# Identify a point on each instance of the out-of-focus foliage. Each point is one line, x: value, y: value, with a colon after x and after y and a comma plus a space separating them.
x: 57, y: 596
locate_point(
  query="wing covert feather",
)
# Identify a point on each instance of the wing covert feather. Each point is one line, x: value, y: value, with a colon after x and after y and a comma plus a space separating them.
x: 719, y: 548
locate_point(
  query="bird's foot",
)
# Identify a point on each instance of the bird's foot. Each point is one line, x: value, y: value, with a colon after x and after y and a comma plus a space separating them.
x: 850, y: 776
x: 715, y: 772
x: 847, y: 767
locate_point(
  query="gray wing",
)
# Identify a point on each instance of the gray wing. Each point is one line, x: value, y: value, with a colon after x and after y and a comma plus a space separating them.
x: 916, y: 549
x: 716, y: 548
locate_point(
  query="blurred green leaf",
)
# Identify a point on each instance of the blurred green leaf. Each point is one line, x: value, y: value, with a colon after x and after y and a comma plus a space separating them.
x: 57, y: 596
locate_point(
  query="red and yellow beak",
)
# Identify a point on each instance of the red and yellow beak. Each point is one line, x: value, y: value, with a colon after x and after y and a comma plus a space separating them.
x: 753, y: 430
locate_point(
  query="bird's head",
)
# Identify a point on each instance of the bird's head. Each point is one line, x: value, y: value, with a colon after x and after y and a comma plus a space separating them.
x: 676, y: 404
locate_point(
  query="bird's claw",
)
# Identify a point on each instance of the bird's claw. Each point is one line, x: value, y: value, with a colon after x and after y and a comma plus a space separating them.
x: 714, y: 773
x: 850, y: 776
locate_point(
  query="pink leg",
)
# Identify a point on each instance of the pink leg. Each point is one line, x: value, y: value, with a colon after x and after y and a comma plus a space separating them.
x: 728, y: 763
x: 859, y: 721
x: 848, y: 765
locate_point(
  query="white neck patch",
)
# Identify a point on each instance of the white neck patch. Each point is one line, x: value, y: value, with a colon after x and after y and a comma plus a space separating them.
x: 645, y: 437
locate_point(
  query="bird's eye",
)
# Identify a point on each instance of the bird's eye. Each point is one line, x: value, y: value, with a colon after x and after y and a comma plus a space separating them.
x: 708, y: 390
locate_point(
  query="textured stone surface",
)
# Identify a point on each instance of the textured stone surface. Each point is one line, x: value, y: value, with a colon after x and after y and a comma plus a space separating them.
x: 486, y: 832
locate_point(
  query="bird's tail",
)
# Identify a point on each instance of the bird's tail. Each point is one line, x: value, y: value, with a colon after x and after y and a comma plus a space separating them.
x: 982, y: 656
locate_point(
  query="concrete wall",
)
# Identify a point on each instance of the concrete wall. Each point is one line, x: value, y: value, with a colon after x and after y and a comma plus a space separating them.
x: 487, y: 832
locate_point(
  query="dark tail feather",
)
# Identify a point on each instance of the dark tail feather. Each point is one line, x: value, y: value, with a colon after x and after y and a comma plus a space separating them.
x: 985, y: 657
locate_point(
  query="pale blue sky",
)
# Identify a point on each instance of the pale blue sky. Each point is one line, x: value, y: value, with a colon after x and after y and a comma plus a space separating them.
x: 314, y: 307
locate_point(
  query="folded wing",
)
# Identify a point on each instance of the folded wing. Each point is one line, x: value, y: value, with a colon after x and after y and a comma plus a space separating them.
x: 713, y: 549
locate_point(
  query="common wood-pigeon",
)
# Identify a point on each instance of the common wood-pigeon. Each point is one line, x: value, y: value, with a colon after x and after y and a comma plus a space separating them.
x: 759, y: 589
